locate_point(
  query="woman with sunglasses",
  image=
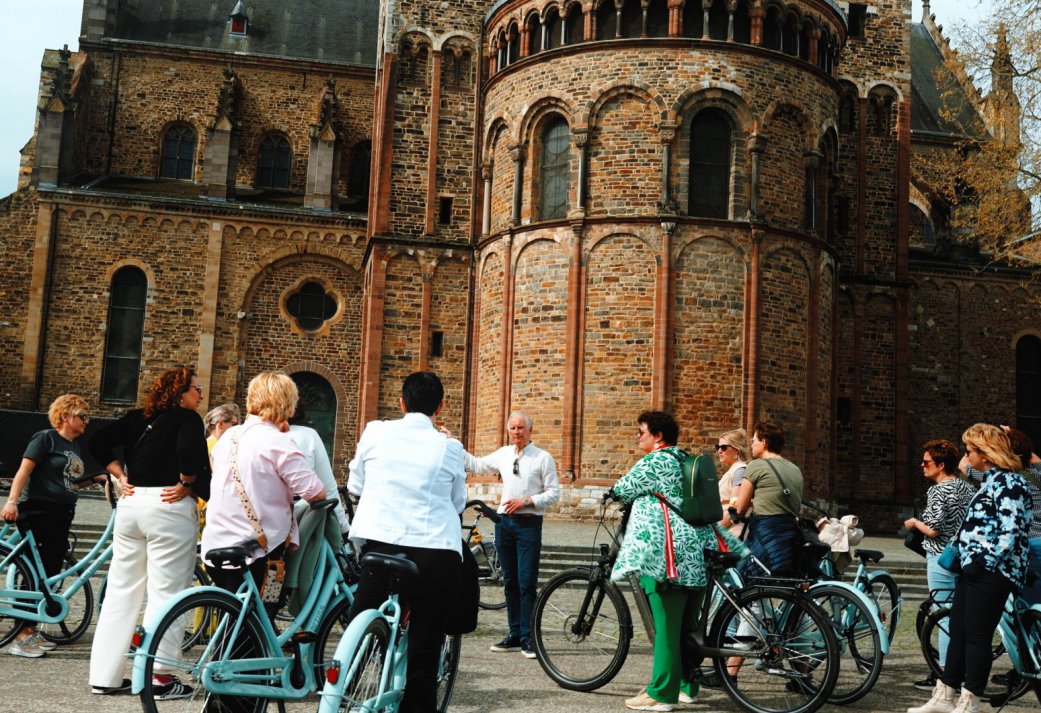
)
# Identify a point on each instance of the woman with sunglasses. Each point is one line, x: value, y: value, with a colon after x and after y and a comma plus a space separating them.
x: 732, y: 452
x: 42, y: 499
x: 945, y: 505
x: 157, y: 526
x: 991, y: 555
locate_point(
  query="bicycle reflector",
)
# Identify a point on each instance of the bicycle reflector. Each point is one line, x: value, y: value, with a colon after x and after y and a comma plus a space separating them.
x: 332, y: 673
x: 139, y: 636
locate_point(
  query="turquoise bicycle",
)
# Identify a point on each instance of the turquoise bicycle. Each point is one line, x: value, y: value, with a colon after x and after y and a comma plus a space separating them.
x: 231, y: 657
x: 62, y: 606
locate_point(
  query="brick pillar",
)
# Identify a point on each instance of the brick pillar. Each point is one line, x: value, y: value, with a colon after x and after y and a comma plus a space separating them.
x: 589, y: 16
x: 706, y: 5
x: 506, y: 362
x: 862, y: 110
x: 756, y: 14
x: 574, y: 355
x: 811, y: 51
x: 39, y: 287
x: 676, y: 17
x: 208, y: 320
x: 756, y: 147
x: 752, y: 333
x: 432, y: 148
x: 320, y: 168
x: 580, y: 139
x: 662, y: 319
x: 218, y: 171
x: 47, y: 170
x: 666, y: 136
x: 525, y: 37
x: 486, y: 199
x: 517, y: 154
x: 372, y: 333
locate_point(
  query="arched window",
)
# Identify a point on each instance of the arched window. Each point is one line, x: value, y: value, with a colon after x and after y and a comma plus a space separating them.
x: 632, y: 19
x: 742, y: 24
x: 1028, y: 387
x: 512, y: 44
x: 554, y: 169
x: 123, y: 335
x: 273, y: 162
x: 358, y: 174
x: 772, y: 29
x: 606, y: 21
x: 178, y: 155
x: 554, y: 29
x: 320, y: 406
x: 534, y: 28
x: 718, y: 20
x: 790, y: 37
x: 710, y: 165
x: 693, y: 19
x: 658, y: 18
x: 575, y: 30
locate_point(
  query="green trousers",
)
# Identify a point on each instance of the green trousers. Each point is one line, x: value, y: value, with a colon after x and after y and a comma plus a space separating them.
x: 673, y: 610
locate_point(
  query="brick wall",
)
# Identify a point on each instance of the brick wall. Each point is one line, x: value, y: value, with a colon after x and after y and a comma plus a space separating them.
x: 403, y: 305
x: 487, y: 420
x: 18, y: 214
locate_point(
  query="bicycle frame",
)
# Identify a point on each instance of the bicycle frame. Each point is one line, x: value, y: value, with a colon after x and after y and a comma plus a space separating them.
x: 395, y: 662
x: 1024, y: 655
x: 37, y: 605
x: 233, y: 677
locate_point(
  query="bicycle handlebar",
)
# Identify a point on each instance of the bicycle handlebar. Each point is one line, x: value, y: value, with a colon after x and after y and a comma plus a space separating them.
x: 482, y: 507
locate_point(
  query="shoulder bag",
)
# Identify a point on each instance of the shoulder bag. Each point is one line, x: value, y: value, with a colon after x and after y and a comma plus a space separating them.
x: 271, y: 587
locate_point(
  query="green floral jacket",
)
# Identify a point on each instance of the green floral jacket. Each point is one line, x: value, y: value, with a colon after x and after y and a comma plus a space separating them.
x: 643, y: 550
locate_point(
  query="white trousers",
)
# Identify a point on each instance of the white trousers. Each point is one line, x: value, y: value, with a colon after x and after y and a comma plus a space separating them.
x: 153, y: 552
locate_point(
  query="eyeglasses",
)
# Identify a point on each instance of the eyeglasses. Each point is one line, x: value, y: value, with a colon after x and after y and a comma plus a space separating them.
x: 722, y: 447
x: 85, y: 417
x: 927, y: 462
x: 516, y: 466
x: 196, y: 387
x: 231, y: 421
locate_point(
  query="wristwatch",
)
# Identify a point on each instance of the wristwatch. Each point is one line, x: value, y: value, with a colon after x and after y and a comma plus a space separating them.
x: 186, y: 484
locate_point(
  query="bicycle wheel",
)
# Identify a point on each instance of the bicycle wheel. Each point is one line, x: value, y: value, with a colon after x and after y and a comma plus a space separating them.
x: 447, y: 668
x: 493, y: 593
x: 860, y: 642
x: 217, y: 612
x: 582, y: 629
x: 885, y: 593
x: 16, y: 575
x: 364, y: 671
x: 81, y: 611
x: 793, y: 655
x: 330, y: 631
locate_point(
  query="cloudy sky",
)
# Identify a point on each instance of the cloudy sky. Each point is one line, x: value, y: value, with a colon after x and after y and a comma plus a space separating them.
x: 34, y: 25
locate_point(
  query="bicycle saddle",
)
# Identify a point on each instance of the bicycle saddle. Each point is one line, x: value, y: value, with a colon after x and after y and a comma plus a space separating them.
x: 396, y: 564
x: 235, y: 556
x: 723, y: 560
x: 868, y: 556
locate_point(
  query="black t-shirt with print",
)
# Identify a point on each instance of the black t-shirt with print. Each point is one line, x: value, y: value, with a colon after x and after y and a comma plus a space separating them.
x: 58, y: 463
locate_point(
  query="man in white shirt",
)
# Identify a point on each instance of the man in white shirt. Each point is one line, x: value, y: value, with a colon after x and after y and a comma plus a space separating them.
x: 412, y: 486
x: 529, y: 486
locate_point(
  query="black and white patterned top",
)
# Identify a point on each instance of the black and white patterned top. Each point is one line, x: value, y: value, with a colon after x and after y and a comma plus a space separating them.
x: 995, y: 526
x: 945, y: 505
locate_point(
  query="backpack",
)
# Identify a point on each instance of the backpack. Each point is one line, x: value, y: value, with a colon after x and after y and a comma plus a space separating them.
x: 701, y: 504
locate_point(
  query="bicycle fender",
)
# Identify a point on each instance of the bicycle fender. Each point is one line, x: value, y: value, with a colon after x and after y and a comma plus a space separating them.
x: 137, y: 672
x: 332, y: 693
x: 876, y: 621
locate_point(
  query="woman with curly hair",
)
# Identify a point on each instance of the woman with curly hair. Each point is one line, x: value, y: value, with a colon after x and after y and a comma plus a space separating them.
x: 165, y: 465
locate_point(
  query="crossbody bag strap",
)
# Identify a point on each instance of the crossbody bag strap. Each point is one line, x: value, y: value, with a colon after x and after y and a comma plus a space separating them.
x: 784, y: 488
x: 251, y: 514
x: 1032, y: 478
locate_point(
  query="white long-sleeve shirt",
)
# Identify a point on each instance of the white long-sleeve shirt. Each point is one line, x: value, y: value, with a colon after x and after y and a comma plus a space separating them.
x: 310, y: 444
x: 412, y: 485
x: 535, y: 475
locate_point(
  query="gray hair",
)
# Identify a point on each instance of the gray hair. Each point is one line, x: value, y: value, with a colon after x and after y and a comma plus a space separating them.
x: 224, y: 412
x: 526, y: 417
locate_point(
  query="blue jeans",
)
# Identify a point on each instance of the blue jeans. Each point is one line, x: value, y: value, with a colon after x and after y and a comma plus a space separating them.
x: 940, y: 579
x: 519, y: 543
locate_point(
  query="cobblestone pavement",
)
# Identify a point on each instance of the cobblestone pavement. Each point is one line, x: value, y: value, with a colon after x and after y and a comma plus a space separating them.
x: 488, y: 682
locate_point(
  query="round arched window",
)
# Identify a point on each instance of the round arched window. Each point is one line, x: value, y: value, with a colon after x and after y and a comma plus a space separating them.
x: 311, y: 306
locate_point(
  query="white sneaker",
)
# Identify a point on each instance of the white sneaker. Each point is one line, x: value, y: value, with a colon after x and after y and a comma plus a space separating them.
x: 41, y: 643
x: 684, y: 698
x: 941, y: 702
x: 643, y: 702
x: 25, y: 649
x: 969, y: 702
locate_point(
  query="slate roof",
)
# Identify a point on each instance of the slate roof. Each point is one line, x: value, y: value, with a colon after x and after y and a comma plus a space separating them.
x: 931, y: 93
x: 330, y: 30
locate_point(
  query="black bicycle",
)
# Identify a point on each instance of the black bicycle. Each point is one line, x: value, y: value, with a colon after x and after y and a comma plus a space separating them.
x: 489, y: 574
x: 787, y: 647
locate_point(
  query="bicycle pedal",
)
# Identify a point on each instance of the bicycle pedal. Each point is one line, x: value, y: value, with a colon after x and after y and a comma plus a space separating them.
x: 305, y: 637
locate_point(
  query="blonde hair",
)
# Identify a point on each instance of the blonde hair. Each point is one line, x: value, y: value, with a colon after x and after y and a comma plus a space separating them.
x: 224, y: 412
x: 738, y: 440
x: 993, y: 444
x: 272, y: 395
x: 65, y: 405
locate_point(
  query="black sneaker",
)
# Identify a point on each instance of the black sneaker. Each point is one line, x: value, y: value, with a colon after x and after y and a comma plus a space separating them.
x: 124, y: 687
x: 527, y: 651
x: 509, y: 643
x: 712, y: 680
x: 171, y: 691
x: 926, y: 684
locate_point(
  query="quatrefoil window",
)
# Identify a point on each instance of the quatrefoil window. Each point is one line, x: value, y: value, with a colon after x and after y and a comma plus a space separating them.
x: 311, y: 306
